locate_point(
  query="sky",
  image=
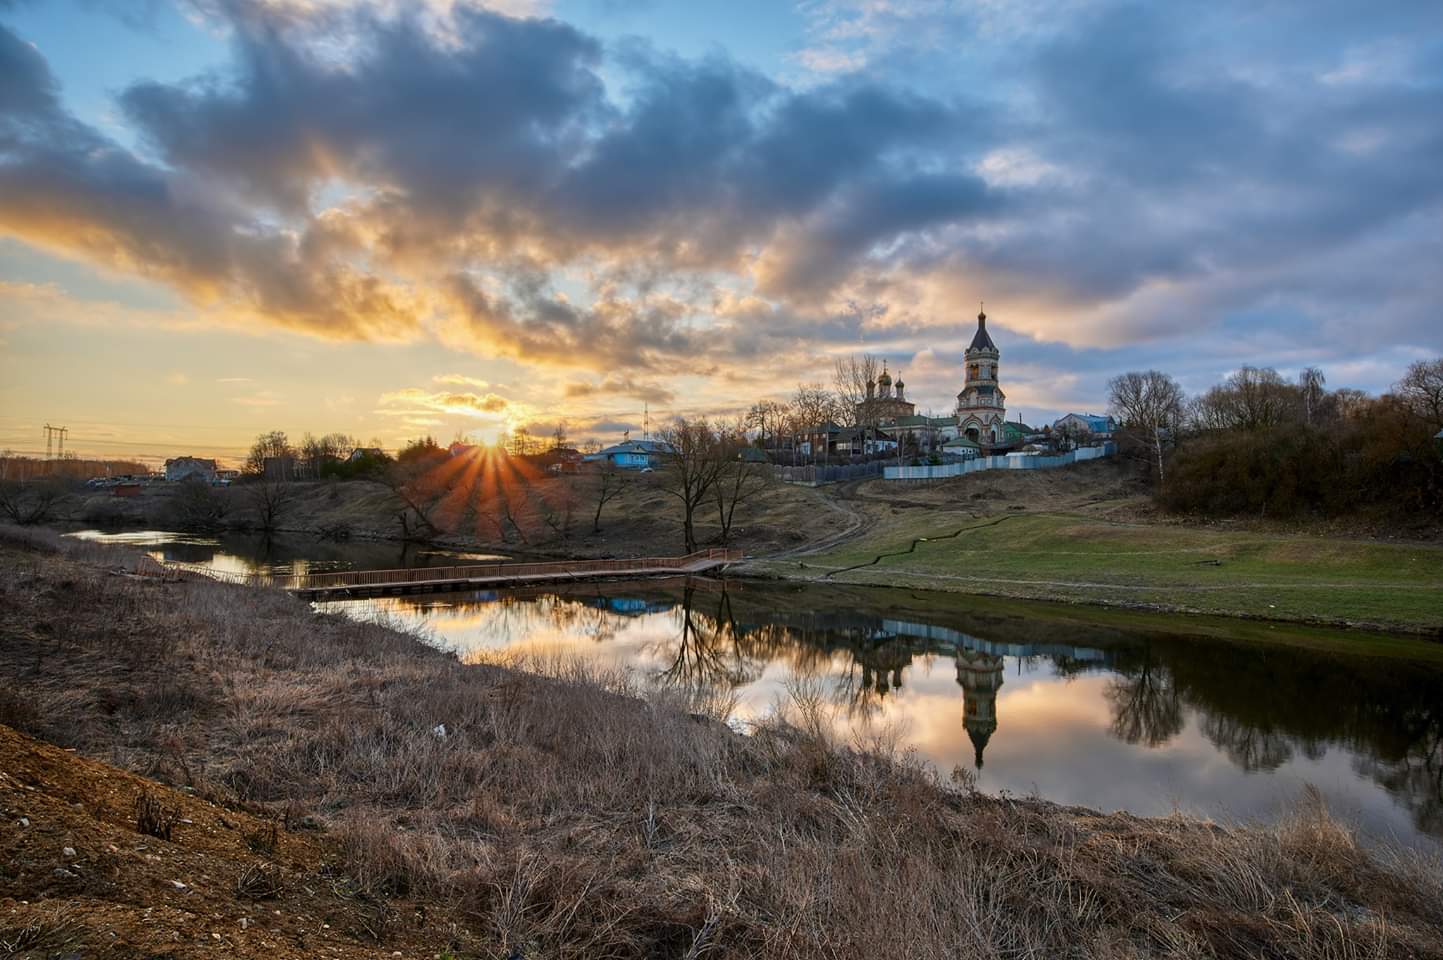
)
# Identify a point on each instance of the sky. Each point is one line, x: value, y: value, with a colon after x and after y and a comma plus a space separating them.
x: 388, y: 218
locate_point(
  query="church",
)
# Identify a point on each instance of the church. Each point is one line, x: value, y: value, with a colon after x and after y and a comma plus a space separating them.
x: 982, y: 406
x: 979, y: 421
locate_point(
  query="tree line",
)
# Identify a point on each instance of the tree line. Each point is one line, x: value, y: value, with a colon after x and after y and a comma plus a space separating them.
x: 1259, y: 444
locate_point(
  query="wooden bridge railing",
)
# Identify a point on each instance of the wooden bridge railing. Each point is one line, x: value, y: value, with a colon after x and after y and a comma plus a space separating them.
x: 482, y: 571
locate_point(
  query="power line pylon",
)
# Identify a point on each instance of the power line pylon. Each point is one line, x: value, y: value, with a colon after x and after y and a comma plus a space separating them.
x: 51, y: 434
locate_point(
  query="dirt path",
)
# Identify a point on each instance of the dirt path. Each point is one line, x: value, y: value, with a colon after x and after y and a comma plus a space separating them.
x: 842, y: 502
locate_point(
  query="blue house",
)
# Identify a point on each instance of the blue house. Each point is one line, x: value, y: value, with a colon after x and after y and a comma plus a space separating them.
x: 1098, y: 426
x: 632, y: 454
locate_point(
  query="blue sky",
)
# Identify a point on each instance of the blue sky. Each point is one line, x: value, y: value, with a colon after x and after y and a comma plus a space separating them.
x: 390, y: 218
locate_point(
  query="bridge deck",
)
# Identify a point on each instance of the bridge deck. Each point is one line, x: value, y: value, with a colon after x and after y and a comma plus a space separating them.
x: 342, y: 584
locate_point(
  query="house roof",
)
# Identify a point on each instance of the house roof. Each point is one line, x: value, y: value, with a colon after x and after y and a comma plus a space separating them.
x: 980, y: 340
x: 1095, y: 422
x: 962, y: 442
x: 637, y: 446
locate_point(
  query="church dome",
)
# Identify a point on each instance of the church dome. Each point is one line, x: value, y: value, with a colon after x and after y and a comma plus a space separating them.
x: 886, y: 378
x: 980, y: 340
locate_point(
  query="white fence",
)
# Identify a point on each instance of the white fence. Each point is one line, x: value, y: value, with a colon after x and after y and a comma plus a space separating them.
x: 1039, y: 462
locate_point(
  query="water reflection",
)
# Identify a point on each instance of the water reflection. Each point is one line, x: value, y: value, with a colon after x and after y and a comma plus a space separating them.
x: 246, y: 553
x: 1082, y: 714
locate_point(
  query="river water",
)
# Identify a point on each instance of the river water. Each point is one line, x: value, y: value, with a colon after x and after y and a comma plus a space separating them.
x: 1030, y: 699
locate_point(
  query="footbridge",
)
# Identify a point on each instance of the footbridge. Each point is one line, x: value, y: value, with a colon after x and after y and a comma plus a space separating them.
x: 347, y: 584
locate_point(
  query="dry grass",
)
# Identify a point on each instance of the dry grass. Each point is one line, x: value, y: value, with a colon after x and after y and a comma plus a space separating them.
x: 569, y: 814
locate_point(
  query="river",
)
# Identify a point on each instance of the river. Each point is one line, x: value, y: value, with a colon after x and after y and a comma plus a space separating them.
x: 1028, y: 699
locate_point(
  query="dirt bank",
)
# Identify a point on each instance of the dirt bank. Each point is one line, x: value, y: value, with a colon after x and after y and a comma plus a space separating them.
x: 502, y: 813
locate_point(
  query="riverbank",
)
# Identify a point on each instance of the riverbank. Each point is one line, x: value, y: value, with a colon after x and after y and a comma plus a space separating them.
x: 1079, y: 558
x: 570, y: 815
x: 1087, y: 534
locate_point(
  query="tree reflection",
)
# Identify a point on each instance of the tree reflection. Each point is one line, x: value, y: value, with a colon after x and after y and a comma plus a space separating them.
x: 706, y: 652
x: 1145, y: 704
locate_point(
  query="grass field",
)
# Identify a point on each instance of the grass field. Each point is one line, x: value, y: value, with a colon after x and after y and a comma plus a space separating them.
x: 1073, y: 557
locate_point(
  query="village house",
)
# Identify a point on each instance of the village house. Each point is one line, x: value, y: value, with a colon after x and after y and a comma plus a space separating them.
x: 188, y: 468
x: 1085, y: 424
x: 632, y: 454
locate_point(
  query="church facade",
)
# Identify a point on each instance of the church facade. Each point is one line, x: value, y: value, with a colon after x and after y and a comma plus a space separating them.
x: 981, y: 405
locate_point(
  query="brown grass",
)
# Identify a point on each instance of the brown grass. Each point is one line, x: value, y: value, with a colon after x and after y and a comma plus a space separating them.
x: 586, y: 815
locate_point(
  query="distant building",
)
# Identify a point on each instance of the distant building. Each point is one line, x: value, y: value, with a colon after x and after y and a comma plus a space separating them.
x: 367, y: 453
x: 1098, y: 426
x: 282, y: 468
x: 962, y: 448
x: 186, y: 468
x: 632, y: 454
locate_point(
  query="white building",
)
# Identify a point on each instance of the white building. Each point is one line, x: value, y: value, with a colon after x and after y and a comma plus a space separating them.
x: 185, y: 468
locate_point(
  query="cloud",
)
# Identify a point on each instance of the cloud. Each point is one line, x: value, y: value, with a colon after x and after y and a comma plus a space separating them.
x: 460, y: 380
x: 465, y: 404
x: 516, y: 188
x: 619, y: 386
x: 261, y: 398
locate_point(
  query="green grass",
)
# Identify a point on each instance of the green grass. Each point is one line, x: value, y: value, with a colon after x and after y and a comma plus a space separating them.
x: 1076, y: 558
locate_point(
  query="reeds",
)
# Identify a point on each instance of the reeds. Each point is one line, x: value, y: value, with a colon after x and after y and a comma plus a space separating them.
x: 570, y: 811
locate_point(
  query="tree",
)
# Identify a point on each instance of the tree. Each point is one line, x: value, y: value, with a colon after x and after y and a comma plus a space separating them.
x: 267, y: 446
x: 739, y: 478
x: 1149, y: 405
x: 319, y: 453
x: 610, y: 483
x: 813, y: 406
x: 558, y: 508
x: 767, y: 417
x: 855, y: 379
x: 558, y: 436
x: 29, y: 502
x: 692, y: 466
x: 197, y: 506
x: 270, y: 499
x: 1421, y: 391
x: 418, y: 486
x: 1312, y: 387
x: 1251, y: 399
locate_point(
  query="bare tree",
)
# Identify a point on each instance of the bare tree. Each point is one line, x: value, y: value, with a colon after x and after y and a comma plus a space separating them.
x: 197, y: 506
x: 1149, y: 404
x: 317, y: 452
x: 767, y: 417
x: 813, y: 406
x: 610, y: 484
x: 270, y: 499
x: 415, y: 483
x: 1251, y: 399
x: 267, y: 446
x: 855, y: 379
x: 739, y: 479
x: 1312, y: 386
x: 1421, y: 390
x: 558, y: 508
x: 693, y: 465
x: 28, y: 502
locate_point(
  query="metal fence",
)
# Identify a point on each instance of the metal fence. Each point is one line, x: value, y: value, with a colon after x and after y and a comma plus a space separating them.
x: 824, y: 473
x: 1030, y: 462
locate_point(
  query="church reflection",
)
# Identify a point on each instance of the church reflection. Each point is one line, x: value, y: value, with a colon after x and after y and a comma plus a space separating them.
x: 1258, y: 707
